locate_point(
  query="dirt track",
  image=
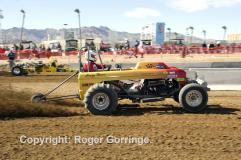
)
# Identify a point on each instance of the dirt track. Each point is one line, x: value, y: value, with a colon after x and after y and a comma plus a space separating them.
x: 174, y: 134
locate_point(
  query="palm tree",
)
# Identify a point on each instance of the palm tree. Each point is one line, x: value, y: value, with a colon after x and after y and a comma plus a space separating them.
x: 169, y: 36
x: 191, y: 28
x: 204, y: 34
x: 224, y: 32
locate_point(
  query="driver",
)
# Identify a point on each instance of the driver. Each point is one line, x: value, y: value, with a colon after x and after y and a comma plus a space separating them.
x: 90, y: 57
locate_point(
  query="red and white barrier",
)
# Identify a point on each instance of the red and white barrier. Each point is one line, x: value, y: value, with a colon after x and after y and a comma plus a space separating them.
x: 183, y: 50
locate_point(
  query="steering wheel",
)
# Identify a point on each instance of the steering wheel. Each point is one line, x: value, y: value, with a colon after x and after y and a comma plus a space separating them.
x: 108, y: 67
x: 118, y: 66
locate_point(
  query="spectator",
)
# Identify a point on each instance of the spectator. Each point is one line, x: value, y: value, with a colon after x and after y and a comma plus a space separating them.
x: 20, y: 47
x: 212, y: 47
x: 11, y: 57
x: 204, y: 45
x: 59, y: 47
x: 127, y: 44
x: 15, y: 47
x: 136, y: 47
x: 141, y: 50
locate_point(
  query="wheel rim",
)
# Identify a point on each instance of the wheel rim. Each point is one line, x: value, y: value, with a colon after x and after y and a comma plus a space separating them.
x: 16, y: 70
x: 101, y: 101
x: 36, y: 99
x: 194, y: 98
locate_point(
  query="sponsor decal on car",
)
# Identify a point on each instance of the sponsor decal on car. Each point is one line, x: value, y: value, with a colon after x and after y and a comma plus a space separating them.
x: 180, y: 79
x: 172, y: 76
x: 172, y: 72
x: 160, y: 66
x: 149, y: 66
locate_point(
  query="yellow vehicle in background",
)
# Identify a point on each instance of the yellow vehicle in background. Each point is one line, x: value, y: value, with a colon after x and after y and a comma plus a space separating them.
x: 41, y: 68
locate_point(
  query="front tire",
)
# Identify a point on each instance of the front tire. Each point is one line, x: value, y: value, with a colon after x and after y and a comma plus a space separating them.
x: 193, y: 98
x: 101, y: 99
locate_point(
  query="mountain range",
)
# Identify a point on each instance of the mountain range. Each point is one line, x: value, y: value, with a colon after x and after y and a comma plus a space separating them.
x: 12, y: 35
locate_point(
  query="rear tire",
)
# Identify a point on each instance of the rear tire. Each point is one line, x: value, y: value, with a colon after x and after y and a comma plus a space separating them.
x: 17, y: 71
x: 101, y: 99
x: 193, y: 98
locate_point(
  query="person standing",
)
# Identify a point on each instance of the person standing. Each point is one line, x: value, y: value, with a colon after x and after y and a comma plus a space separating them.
x: 141, y: 49
x: 127, y: 44
x: 136, y: 48
x: 11, y: 57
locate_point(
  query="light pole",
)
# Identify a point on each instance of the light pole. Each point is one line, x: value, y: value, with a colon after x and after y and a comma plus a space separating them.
x: 187, y: 34
x: 176, y: 34
x: 192, y: 28
x: 169, y: 32
x: 65, y: 25
x: 204, y: 35
x: 1, y: 34
x: 21, y: 35
x: 80, y: 38
x: 224, y: 32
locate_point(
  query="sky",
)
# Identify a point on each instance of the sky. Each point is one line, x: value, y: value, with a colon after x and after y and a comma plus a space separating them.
x: 126, y: 15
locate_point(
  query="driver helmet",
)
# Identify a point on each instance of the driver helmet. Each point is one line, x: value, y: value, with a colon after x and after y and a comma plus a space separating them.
x: 90, y: 55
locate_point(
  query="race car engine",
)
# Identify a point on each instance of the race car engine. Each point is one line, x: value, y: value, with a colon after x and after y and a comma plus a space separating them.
x: 159, y: 87
x: 154, y: 87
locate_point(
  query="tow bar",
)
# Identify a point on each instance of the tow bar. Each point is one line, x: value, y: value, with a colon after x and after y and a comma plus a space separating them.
x: 40, y: 98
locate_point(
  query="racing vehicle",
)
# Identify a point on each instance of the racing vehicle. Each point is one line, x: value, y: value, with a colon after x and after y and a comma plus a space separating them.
x: 40, y: 68
x: 147, y: 82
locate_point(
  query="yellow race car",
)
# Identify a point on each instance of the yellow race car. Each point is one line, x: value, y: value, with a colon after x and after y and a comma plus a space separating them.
x: 147, y: 82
